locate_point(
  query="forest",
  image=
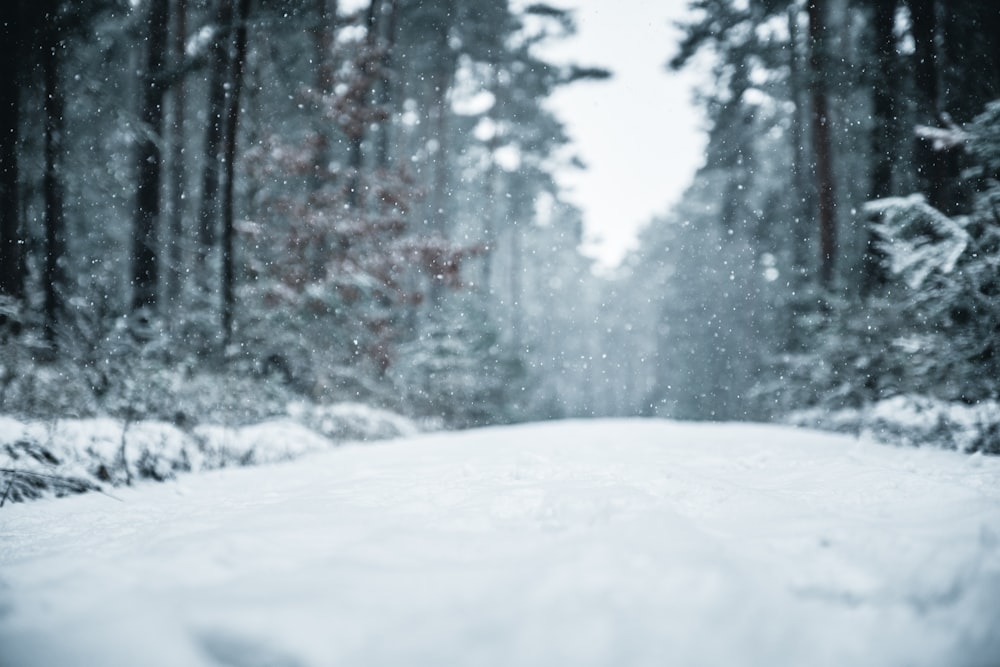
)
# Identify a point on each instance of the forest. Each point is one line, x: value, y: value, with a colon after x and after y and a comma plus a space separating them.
x: 213, y: 208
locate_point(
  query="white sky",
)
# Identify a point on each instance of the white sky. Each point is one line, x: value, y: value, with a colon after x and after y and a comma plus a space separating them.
x: 639, y: 133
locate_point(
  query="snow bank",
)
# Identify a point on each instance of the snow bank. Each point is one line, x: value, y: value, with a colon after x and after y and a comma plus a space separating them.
x: 66, y: 456
x: 353, y: 421
x: 915, y: 420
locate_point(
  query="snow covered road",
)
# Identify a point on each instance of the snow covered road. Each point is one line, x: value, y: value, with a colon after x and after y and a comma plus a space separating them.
x: 612, y: 543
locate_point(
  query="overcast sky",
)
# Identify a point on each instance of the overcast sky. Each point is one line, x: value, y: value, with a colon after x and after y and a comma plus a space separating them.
x: 639, y: 133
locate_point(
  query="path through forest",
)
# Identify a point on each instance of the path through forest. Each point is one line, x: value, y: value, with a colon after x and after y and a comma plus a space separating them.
x: 575, y: 543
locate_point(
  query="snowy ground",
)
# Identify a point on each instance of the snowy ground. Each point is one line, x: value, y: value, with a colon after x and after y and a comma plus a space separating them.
x: 611, y: 543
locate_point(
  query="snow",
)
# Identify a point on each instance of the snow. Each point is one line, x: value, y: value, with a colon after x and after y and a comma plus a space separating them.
x: 918, y: 239
x: 86, y: 453
x: 631, y: 542
x: 911, y: 419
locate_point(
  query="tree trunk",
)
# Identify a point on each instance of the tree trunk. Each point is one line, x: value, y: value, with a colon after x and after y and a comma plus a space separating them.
x: 52, y: 185
x: 803, y: 199
x: 209, y: 209
x: 11, y: 263
x: 516, y: 284
x: 232, y: 121
x: 323, y: 36
x: 438, y: 214
x: 441, y: 82
x: 492, y: 193
x: 324, y: 32
x: 991, y: 27
x: 821, y: 141
x: 356, y: 134
x: 391, y: 15
x: 147, y: 207
x: 439, y: 186
x: 930, y: 169
x: 884, y: 99
x: 884, y: 131
x: 176, y: 179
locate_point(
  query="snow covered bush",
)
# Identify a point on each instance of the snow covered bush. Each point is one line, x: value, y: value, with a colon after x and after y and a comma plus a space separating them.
x: 75, y: 455
x: 914, y: 420
x: 64, y: 456
x: 27, y: 472
x: 267, y: 442
x: 227, y: 398
x: 352, y: 421
x: 843, y: 362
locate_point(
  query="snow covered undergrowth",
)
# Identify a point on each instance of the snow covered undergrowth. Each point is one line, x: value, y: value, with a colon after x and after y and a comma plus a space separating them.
x: 66, y: 456
x: 617, y: 543
x: 915, y: 420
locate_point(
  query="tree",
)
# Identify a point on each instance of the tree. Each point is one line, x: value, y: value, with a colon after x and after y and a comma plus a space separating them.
x: 339, y: 197
x: 212, y: 158
x: 822, y: 151
x: 803, y: 200
x: 323, y: 37
x: 145, y: 270
x: 53, y: 273
x: 390, y: 13
x: 176, y: 175
x: 11, y: 260
x: 885, y: 131
x: 929, y: 162
x: 235, y: 86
